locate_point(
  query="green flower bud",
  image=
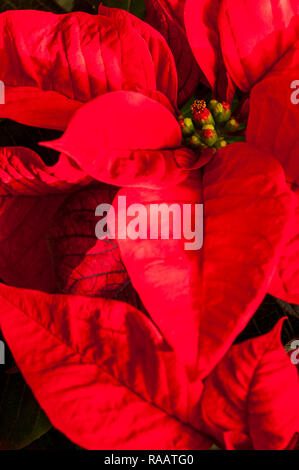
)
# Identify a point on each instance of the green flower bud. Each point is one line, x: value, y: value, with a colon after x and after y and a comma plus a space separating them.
x: 189, y: 124
x: 220, y: 144
x: 187, y: 127
x: 212, y: 104
x: 232, y: 125
x: 195, y: 141
x: 209, y: 135
x: 222, y: 112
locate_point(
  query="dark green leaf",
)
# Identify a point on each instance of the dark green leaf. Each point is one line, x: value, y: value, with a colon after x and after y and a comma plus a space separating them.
x: 236, y: 138
x: 21, y: 419
x: 45, y: 5
x: 53, y: 440
x: 136, y: 7
x: 186, y: 109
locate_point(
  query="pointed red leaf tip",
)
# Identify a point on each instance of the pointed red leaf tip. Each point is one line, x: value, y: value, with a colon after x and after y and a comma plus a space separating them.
x: 201, y: 299
x: 78, y: 56
x: 200, y: 17
x: 167, y: 16
x: 252, y: 47
x: 102, y: 372
x: 126, y: 139
x: 250, y: 400
x: 38, y: 108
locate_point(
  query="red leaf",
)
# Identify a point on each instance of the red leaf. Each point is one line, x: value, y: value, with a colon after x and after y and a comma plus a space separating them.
x: 24, y: 256
x: 50, y: 65
x: 30, y: 194
x: 82, y: 56
x: 285, y: 283
x: 101, y: 392
x: 274, y: 119
x: 250, y: 400
x: 255, y: 35
x: 102, y: 372
x: 167, y: 16
x: 23, y: 173
x: 201, y: 300
x: 273, y: 127
x: 38, y: 108
x: 115, y: 145
x: 83, y: 264
x: 203, y: 36
x: 161, y: 57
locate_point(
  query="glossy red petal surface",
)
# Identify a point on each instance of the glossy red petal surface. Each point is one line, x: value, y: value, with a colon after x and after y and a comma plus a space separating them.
x: 84, y: 264
x: 202, y: 32
x: 285, y: 283
x: 250, y: 400
x: 30, y: 195
x: 167, y: 16
x: 274, y: 119
x: 133, y: 143
x: 34, y: 107
x: 101, y: 371
x: 81, y: 56
x: 202, y: 299
x: 255, y: 36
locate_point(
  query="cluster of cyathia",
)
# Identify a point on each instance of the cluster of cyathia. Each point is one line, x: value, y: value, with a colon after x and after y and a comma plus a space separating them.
x: 210, y: 126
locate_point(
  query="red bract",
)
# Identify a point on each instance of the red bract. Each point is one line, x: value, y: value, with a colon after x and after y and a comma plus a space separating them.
x: 247, y: 37
x: 218, y: 288
x: 51, y: 65
x: 285, y: 283
x: 102, y: 371
x: 273, y: 127
x: 81, y: 265
x: 192, y: 26
x: 263, y: 45
x: 254, y: 36
x: 81, y: 56
x: 107, y: 374
x: 253, y: 406
x: 123, y: 388
x: 168, y: 18
x: 239, y: 188
x: 117, y: 148
x: 30, y: 195
x: 203, y: 36
x: 273, y: 118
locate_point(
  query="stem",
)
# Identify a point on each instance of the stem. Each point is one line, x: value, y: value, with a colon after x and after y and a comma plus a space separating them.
x: 129, y: 5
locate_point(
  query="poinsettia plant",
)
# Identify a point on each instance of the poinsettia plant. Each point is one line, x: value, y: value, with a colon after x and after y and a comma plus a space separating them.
x: 260, y: 58
x: 128, y: 344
